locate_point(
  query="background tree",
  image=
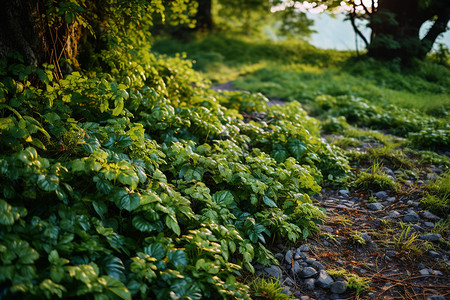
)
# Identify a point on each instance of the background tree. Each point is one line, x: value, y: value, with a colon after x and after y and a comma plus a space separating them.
x: 395, y: 24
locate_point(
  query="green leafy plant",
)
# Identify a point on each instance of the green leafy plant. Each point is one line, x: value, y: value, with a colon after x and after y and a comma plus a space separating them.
x: 353, y: 280
x: 408, y: 242
x: 375, y: 178
x: 262, y: 288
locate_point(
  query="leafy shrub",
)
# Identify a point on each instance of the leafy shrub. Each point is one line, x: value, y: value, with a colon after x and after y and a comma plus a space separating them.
x: 138, y: 183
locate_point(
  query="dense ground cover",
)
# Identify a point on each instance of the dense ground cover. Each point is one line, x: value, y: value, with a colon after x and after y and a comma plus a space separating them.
x: 142, y: 182
x: 391, y: 122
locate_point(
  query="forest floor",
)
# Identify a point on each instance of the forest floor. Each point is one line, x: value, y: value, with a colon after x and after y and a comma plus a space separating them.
x: 375, y: 244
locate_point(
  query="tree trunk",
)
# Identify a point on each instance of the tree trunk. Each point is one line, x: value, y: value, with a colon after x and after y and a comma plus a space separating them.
x: 19, y: 31
x: 204, y: 17
x: 395, y: 28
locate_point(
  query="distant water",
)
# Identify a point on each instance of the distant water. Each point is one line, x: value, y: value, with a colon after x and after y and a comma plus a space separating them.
x: 335, y: 33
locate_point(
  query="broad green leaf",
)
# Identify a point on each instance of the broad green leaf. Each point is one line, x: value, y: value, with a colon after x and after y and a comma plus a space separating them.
x: 7, y: 214
x: 100, y: 208
x: 48, y: 183
x: 113, y: 266
x: 155, y: 250
x: 172, y: 223
x: 178, y: 258
x: 50, y: 288
x: 103, y: 185
x: 269, y: 202
x: 117, y: 288
x: 127, y: 201
x: 224, y: 198
x: 28, y: 155
x: 142, y: 224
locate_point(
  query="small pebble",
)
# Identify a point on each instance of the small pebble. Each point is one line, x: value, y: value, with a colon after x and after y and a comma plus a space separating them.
x: 381, y: 195
x: 411, y: 217
x: 424, y: 272
x: 338, y: 287
x: 375, y: 206
x: 429, y: 215
x: 310, y: 283
x: 434, y: 254
x: 429, y: 224
x: 318, y: 266
x: 436, y: 297
x: 296, y: 268
x: 310, y: 261
x: 394, y: 214
x: 390, y: 199
x: 307, y: 273
x: 288, y: 257
x: 304, y: 248
x: 274, y: 271
x: 430, y: 237
x: 324, y: 280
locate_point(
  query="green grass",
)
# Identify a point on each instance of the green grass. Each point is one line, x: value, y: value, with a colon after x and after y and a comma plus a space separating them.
x: 375, y: 179
x: 268, y: 289
x: 438, y: 198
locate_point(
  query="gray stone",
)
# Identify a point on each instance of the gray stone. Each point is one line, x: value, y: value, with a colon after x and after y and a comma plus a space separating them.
x: 338, y: 287
x: 437, y: 170
x: 409, y: 183
x: 434, y: 254
x: 411, y: 217
x: 286, y: 291
x: 388, y: 172
x: 305, y: 298
x: 421, y: 266
x: 300, y: 254
x: 303, y: 264
x: 424, y: 272
x: 375, y: 206
x: 310, y: 282
x: 394, y: 214
x: 436, y: 297
x: 307, y: 272
x: 381, y: 195
x: 430, y: 216
x: 371, y: 295
x: 289, y: 282
x: 366, y: 237
x: 310, y: 261
x: 437, y: 272
x: 390, y: 199
x: 279, y: 257
x: 288, y: 256
x: 304, y: 248
x: 390, y: 253
x: 296, y: 268
x: 432, y: 176
x: 318, y: 266
x: 429, y: 224
x: 430, y: 237
x: 344, y: 192
x: 324, y: 280
x: 274, y: 271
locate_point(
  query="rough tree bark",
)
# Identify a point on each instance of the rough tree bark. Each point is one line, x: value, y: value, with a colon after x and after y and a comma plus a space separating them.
x: 19, y: 30
x: 396, y: 24
x: 204, y: 19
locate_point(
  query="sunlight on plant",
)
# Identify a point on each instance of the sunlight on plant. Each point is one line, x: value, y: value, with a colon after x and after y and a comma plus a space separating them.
x: 408, y: 242
x: 354, y: 281
x: 267, y: 289
x: 375, y: 178
x: 356, y: 239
